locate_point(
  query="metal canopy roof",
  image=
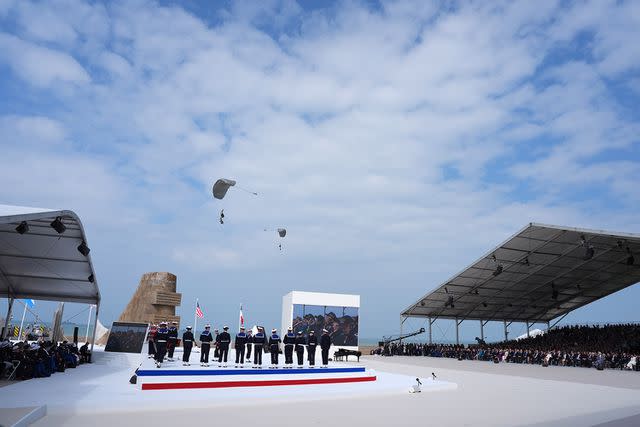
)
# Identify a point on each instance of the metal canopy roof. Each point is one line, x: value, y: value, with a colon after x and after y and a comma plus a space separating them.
x: 42, y: 264
x: 540, y: 273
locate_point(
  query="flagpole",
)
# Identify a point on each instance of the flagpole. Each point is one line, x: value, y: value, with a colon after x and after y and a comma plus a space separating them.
x: 22, y: 322
x: 195, y: 318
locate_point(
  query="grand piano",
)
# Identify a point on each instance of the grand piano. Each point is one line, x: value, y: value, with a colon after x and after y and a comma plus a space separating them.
x: 343, y: 354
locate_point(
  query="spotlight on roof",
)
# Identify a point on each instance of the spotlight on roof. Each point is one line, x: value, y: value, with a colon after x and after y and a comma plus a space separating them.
x: 57, y: 225
x: 421, y: 303
x: 589, y: 252
x: 83, y: 248
x: 91, y: 278
x: 449, y: 302
x: 484, y: 304
x: 446, y: 291
x: 22, y: 228
x: 526, y: 261
x: 630, y: 259
x: 498, y: 270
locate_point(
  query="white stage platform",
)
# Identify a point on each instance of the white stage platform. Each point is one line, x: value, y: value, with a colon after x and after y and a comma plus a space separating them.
x: 173, y: 375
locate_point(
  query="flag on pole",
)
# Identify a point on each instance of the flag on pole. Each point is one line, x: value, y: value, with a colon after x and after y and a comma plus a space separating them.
x: 241, y: 317
x: 30, y: 303
x: 199, y: 312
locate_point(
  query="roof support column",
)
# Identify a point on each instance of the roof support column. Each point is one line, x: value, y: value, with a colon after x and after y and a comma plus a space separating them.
x: 506, y: 332
x: 402, y: 320
x: 457, y: 332
x: 528, y: 334
x: 95, y: 326
x: 482, y: 330
x: 5, y: 330
x: 430, y: 323
x: 548, y: 327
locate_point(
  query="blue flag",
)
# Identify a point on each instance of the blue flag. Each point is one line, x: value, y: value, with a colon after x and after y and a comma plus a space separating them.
x: 30, y: 303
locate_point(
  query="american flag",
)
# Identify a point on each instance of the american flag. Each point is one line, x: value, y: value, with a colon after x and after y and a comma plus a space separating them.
x: 199, y: 312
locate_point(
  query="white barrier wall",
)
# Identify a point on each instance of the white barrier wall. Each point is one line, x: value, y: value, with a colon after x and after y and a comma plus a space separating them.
x: 317, y: 299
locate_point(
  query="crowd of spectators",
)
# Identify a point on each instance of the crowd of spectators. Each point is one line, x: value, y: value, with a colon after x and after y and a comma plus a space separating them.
x: 601, y: 347
x: 40, y: 359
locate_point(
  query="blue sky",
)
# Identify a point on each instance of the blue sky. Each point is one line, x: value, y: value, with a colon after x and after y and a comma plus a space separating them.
x: 396, y: 141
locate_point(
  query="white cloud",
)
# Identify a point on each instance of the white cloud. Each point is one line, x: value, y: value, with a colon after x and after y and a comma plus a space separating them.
x: 40, y: 66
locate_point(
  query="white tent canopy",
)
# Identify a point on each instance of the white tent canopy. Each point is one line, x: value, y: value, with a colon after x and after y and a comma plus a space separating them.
x: 42, y: 263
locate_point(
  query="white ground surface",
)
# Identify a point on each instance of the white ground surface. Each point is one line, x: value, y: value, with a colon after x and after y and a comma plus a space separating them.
x: 486, y: 395
x: 103, y: 389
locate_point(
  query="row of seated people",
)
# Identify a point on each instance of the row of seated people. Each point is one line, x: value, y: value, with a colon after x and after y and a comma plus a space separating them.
x: 603, y: 347
x: 40, y: 359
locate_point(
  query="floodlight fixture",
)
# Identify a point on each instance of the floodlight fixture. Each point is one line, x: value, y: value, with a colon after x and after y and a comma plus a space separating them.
x: 91, y: 278
x: 22, y: 228
x: 83, y: 248
x: 589, y: 252
x: 498, y: 270
x: 57, y: 225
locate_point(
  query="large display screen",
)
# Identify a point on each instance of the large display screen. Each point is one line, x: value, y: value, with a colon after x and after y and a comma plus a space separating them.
x: 341, y: 322
x: 126, y: 337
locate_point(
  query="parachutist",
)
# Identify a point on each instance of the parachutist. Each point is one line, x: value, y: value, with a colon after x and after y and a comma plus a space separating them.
x: 280, y: 246
x: 222, y: 216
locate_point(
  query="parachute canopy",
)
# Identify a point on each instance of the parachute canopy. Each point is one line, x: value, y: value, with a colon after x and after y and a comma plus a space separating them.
x: 282, y: 232
x: 221, y: 186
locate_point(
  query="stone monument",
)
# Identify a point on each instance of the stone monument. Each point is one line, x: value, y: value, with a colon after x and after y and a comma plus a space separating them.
x: 155, y: 300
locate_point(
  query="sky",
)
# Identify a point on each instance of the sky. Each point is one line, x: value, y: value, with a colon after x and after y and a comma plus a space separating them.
x: 395, y: 141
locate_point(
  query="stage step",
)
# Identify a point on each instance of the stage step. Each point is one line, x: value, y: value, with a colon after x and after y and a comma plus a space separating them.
x: 166, y: 379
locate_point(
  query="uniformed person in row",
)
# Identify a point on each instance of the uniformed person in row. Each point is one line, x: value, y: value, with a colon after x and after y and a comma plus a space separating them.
x: 300, y: 342
x: 216, y: 350
x: 274, y: 348
x: 187, y: 344
x: 162, y: 334
x: 289, y: 341
x: 249, y: 344
x: 258, y: 342
x: 325, y: 345
x: 312, y: 343
x: 172, y: 340
x: 205, y: 345
x: 239, y: 344
x: 152, y: 341
x: 223, y: 342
